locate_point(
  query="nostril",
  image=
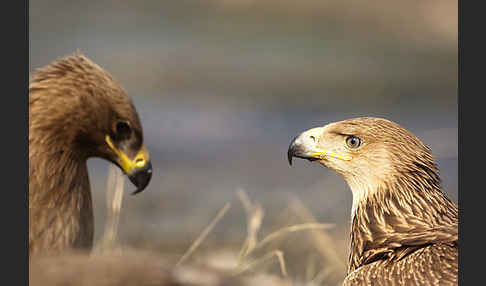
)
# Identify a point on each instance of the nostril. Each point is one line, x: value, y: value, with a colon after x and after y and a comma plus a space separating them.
x: 313, y: 138
x: 140, y: 162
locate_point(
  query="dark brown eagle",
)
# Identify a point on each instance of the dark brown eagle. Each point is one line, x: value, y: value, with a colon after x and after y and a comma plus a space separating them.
x: 404, y: 230
x: 76, y: 111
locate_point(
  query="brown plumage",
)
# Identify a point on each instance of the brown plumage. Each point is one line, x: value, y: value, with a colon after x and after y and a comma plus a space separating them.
x: 404, y: 230
x: 76, y: 111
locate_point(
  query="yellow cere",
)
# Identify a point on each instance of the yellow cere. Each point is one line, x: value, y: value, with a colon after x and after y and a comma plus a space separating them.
x: 125, y: 163
x: 321, y: 155
x: 140, y: 162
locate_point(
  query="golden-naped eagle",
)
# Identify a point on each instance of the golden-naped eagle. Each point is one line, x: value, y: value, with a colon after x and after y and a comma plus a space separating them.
x: 76, y: 111
x: 404, y: 230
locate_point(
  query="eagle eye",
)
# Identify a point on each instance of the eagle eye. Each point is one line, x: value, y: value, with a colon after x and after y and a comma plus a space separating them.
x: 353, y: 142
x: 123, y: 130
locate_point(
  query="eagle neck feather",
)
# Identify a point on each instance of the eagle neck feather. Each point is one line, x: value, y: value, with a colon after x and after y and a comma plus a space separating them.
x: 60, y: 204
x: 394, y: 218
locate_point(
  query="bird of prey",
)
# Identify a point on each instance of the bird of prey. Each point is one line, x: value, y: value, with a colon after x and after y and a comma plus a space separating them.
x: 76, y: 111
x: 404, y: 230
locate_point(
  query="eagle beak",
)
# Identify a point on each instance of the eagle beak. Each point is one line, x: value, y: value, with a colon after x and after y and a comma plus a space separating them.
x: 307, y: 146
x: 138, y: 169
x: 140, y: 177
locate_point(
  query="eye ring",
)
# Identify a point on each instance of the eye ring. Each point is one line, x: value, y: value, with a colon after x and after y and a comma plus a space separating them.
x: 123, y: 130
x: 353, y: 142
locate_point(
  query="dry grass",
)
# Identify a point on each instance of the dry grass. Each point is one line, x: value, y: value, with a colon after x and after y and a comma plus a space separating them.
x: 254, y: 260
x: 324, y: 244
x: 254, y: 216
x: 114, y: 198
x: 203, y: 235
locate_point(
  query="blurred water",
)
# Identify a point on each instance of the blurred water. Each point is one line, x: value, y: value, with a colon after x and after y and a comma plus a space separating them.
x: 221, y: 94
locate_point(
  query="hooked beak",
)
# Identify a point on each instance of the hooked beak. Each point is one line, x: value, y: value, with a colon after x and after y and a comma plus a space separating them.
x: 138, y: 169
x: 140, y: 177
x: 307, y: 146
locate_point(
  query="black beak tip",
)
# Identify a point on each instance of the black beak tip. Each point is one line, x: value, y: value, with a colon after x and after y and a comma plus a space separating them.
x: 291, y: 151
x: 141, y: 178
x: 290, y: 155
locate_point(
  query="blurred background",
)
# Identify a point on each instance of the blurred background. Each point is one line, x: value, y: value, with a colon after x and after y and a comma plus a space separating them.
x: 222, y: 86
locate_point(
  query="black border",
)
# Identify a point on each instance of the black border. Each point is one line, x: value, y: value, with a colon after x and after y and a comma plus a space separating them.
x: 14, y: 143
x: 471, y: 125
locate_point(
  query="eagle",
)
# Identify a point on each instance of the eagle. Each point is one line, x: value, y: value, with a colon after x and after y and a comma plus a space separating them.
x: 76, y: 111
x: 404, y: 230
